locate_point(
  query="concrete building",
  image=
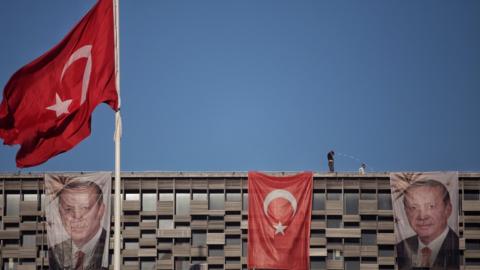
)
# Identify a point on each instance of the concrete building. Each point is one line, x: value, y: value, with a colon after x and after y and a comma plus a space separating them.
x: 191, y: 220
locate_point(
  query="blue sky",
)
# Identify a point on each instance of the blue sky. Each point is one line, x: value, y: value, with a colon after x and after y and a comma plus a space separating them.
x: 273, y: 85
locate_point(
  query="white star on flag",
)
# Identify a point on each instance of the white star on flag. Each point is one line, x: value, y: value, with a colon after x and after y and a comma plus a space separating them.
x: 60, y: 107
x: 279, y: 228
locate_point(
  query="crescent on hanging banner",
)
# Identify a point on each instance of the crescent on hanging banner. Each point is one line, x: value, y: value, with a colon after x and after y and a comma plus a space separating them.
x: 279, y: 218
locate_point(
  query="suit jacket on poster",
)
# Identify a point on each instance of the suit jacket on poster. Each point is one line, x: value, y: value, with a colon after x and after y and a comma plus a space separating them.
x: 447, y: 258
x: 60, y: 258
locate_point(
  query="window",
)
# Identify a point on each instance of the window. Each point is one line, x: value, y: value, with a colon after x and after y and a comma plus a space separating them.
x: 182, y: 206
x: 165, y: 197
x: 29, y: 240
x: 351, y: 203
x: 472, y: 244
x: 369, y: 238
x: 350, y: 224
x: 352, y: 242
x: 13, y: 204
x: 216, y: 201
x: 30, y: 197
x: 149, y: 202
x: 215, y: 251
x: 352, y: 264
x: 182, y: 264
x: 245, y: 201
x: 165, y: 223
x: 368, y: 194
x: 148, y: 265
x: 199, y: 238
x: 164, y: 254
x: 231, y: 260
x: 334, y: 195
x: 149, y: 235
x: 334, y: 221
x: 385, y: 251
x: 384, y: 201
x: 233, y: 196
x: 317, y: 263
x: 132, y: 197
x: 42, y: 202
x: 232, y: 240
x: 131, y: 244
x: 199, y: 195
x: 244, y: 248
x: 471, y: 195
x: 319, y: 200
x: 335, y: 255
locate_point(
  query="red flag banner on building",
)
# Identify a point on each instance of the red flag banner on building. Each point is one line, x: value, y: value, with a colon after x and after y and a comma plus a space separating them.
x: 47, y: 104
x: 279, y: 218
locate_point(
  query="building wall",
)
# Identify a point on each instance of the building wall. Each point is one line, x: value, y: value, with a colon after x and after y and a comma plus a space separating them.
x: 199, y: 221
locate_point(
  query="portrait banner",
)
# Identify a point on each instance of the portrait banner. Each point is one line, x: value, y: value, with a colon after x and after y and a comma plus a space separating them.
x: 425, y: 210
x: 279, y: 218
x: 78, y: 220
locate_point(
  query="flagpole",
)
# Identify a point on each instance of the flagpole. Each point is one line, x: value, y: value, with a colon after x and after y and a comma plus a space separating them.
x: 118, y: 135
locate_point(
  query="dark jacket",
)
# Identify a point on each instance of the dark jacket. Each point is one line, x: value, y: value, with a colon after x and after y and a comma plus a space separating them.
x: 448, y: 256
x: 60, y: 258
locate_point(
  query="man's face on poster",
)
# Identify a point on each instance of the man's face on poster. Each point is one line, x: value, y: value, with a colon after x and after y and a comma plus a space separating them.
x: 81, y: 211
x: 427, y: 212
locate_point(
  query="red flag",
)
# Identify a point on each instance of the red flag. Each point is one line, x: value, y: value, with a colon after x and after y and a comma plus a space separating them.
x: 47, y: 104
x: 279, y: 217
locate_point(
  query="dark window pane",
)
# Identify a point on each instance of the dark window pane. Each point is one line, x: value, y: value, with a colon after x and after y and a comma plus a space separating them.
x: 318, y: 201
x: 334, y: 195
x: 385, y: 251
x: 472, y: 244
x: 199, y: 238
x: 351, y: 203
x: 384, y: 201
x: 232, y: 240
x: 334, y: 222
x: 335, y: 255
x: 368, y: 195
x: 369, y: 238
x: 471, y: 195
x: 244, y: 248
x: 215, y: 251
x: 317, y: 263
x: 352, y: 264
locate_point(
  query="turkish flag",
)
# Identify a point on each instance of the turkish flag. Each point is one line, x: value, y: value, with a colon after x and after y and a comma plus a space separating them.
x: 47, y: 104
x: 279, y: 218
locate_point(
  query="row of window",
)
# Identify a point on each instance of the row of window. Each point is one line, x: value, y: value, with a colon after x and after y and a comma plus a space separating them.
x: 216, y: 201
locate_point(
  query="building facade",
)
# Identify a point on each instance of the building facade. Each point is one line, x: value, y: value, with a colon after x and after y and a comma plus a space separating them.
x: 200, y: 221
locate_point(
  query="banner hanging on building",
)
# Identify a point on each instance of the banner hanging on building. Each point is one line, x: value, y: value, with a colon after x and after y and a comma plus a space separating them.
x: 279, y: 218
x: 78, y: 220
x: 425, y: 208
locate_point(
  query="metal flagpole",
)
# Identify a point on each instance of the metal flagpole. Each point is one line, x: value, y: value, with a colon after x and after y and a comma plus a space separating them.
x: 117, y: 137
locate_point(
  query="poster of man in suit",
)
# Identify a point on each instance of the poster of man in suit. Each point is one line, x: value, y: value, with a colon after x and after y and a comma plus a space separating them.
x: 78, y: 219
x: 425, y: 208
